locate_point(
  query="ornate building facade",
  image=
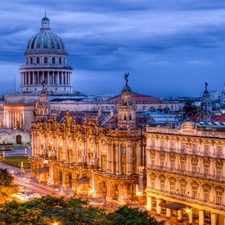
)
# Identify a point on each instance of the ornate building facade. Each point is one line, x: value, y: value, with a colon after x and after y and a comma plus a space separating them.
x: 94, y: 153
x: 185, y: 172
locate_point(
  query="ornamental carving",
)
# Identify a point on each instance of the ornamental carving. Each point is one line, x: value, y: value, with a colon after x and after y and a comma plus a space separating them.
x: 206, y: 186
x: 183, y: 182
x: 172, y: 157
x: 152, y: 154
x: 206, y: 162
x: 219, y: 164
x: 162, y: 155
x: 219, y: 189
x: 152, y: 176
x: 194, y: 160
x: 194, y: 183
x: 183, y: 158
x: 162, y: 178
x: 172, y: 180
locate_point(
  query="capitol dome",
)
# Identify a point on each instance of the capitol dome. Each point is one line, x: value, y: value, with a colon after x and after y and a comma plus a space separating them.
x: 45, y: 41
x: 45, y: 66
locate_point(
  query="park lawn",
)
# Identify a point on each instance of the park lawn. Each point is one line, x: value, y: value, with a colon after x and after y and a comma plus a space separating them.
x: 16, y: 161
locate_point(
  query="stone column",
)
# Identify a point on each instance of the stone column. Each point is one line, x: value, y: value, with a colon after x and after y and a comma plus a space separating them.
x: 158, y: 207
x: 149, y: 203
x: 179, y: 214
x: 190, y: 216
x: 168, y: 212
x: 201, y: 217
x: 117, y: 159
x: 213, y: 219
x: 129, y: 158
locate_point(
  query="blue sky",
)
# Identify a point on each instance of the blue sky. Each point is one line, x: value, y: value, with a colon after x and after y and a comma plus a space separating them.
x: 169, y: 47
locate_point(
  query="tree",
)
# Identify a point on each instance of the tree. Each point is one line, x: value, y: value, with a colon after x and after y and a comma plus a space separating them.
x: 6, y: 178
x: 6, y: 186
x: 189, y: 109
x: 130, y: 216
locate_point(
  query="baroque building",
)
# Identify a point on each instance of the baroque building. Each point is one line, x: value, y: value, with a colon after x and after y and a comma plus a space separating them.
x: 93, y: 153
x: 185, y: 172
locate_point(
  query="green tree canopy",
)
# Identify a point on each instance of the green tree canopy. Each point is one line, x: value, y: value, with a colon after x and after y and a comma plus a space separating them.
x: 48, y: 209
x: 6, y: 178
x: 132, y: 216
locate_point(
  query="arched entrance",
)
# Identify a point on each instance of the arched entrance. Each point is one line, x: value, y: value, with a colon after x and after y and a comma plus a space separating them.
x: 18, y: 139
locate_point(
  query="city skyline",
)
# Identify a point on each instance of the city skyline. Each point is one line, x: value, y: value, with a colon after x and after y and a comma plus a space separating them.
x: 169, y: 49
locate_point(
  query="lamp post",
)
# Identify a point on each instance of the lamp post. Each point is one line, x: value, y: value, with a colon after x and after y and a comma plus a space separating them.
x: 138, y: 193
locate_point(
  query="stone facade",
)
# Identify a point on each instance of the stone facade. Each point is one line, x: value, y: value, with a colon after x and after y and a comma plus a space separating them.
x: 185, y: 172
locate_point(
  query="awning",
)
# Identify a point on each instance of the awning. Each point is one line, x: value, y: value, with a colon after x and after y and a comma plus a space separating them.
x: 83, y: 180
x: 42, y: 170
x: 173, y: 205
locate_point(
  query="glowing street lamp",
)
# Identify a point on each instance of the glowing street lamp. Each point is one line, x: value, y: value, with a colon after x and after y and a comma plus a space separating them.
x: 138, y: 193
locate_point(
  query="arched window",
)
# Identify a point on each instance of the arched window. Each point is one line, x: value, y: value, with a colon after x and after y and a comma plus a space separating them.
x: 60, y: 60
x: 31, y: 60
x: 38, y: 60
x: 53, y: 60
x: 45, y: 60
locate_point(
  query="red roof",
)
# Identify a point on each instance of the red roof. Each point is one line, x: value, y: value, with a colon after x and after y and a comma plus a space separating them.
x: 137, y: 98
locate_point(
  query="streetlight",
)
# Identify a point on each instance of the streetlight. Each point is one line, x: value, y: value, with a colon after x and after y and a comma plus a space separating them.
x: 138, y: 193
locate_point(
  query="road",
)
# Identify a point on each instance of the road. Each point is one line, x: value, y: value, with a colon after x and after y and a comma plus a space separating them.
x: 26, y: 180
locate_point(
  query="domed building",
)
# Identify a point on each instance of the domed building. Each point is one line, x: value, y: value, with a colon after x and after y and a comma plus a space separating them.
x: 46, y: 66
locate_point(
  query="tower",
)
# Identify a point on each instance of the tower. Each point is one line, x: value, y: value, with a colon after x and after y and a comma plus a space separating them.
x: 45, y: 66
x: 126, y: 108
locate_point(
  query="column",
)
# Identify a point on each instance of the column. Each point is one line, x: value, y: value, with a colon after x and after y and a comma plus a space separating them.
x: 57, y: 81
x: 129, y: 159
x: 117, y: 159
x: 168, y: 212
x: 190, y: 216
x: 158, y: 207
x: 201, y: 217
x: 213, y: 219
x: 179, y: 214
x: 48, y: 77
x: 149, y: 203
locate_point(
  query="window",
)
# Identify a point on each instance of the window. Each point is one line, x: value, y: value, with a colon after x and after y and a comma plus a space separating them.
x: 206, y: 171
x: 194, y: 169
x: 219, y: 172
x: 38, y: 60
x: 206, y: 149
x: 183, y: 189
x: 172, y: 165
x: 206, y: 195
x: 172, y: 146
x: 182, y: 166
x: 45, y: 60
x: 161, y: 144
x: 183, y: 147
x: 153, y: 184
x: 162, y: 185
x: 172, y: 187
x: 123, y: 150
x: 31, y: 60
x: 153, y: 144
x: 153, y: 162
x: 161, y: 163
x: 194, y: 148
x: 194, y: 191
x: 219, y: 197
x: 219, y: 151
x: 60, y: 60
x: 53, y: 60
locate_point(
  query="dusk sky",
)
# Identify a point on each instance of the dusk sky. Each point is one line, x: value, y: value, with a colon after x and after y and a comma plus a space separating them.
x: 169, y: 47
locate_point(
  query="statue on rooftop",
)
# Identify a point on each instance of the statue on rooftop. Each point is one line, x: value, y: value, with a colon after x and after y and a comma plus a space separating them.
x: 126, y: 77
x: 206, y: 85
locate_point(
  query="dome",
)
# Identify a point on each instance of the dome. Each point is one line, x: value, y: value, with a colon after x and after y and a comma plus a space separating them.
x: 45, y: 41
